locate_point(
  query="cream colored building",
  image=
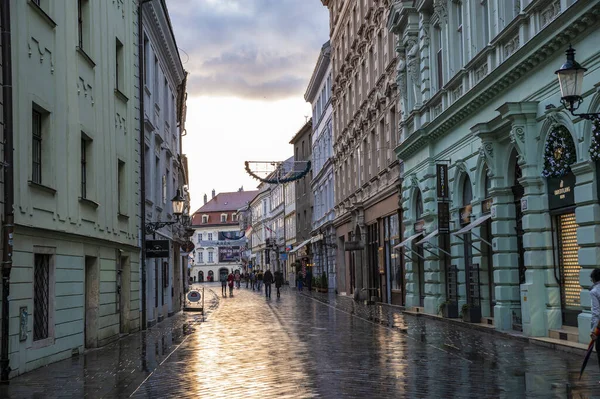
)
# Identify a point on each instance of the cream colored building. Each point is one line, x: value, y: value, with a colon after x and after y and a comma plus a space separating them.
x: 75, y: 276
x: 366, y: 172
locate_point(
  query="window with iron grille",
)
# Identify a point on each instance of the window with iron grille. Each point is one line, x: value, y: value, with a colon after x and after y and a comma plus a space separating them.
x: 41, y: 285
x: 36, y: 126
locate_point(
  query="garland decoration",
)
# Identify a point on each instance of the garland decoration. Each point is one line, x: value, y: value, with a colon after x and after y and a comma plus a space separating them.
x: 559, y: 153
x: 274, y: 178
x: 595, y: 144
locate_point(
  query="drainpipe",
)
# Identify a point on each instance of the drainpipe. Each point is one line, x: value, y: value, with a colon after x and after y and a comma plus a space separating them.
x: 141, y: 73
x: 7, y: 228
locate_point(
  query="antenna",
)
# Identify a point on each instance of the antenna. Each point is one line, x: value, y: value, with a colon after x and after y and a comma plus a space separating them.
x: 305, y: 118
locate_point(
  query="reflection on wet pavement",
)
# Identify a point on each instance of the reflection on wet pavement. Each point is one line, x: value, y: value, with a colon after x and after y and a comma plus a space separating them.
x: 298, y: 347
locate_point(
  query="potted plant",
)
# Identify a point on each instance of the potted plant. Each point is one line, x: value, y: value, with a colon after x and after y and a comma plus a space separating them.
x: 448, y: 309
x: 470, y: 313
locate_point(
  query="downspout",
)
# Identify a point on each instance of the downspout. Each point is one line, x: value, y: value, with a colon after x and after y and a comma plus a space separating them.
x: 7, y: 228
x: 142, y: 161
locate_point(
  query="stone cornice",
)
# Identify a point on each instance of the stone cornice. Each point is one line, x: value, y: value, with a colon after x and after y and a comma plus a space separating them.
x: 530, y: 55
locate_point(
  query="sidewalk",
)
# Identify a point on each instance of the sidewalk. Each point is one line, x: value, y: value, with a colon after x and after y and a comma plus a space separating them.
x: 394, y: 317
x: 115, y: 370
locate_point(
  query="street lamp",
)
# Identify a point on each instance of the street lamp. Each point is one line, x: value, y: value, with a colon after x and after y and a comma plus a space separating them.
x: 178, y: 204
x: 570, y: 78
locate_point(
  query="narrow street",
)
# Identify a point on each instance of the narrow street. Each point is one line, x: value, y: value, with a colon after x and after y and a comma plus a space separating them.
x: 298, y: 347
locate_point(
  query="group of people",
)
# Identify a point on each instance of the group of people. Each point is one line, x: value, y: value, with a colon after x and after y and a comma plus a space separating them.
x: 254, y: 280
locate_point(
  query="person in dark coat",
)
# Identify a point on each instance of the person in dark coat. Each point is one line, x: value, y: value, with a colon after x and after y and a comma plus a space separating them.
x: 278, y: 281
x: 268, y: 280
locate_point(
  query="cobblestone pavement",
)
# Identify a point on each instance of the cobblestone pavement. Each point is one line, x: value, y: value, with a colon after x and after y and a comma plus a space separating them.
x: 307, y: 345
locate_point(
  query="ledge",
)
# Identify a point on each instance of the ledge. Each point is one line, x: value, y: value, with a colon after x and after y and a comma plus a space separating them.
x: 146, y: 89
x: 42, y: 14
x: 41, y: 187
x: 122, y: 216
x: 86, y: 57
x: 119, y: 94
x: 149, y: 202
x: 89, y: 202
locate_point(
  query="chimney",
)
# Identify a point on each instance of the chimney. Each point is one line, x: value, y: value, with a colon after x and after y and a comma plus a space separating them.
x: 213, y: 193
x: 205, y: 199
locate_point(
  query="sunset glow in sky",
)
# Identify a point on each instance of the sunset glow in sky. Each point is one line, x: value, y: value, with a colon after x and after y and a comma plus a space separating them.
x: 249, y: 63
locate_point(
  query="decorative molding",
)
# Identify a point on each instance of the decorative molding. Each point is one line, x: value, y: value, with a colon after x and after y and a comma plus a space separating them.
x: 549, y: 13
x: 439, y: 7
x: 511, y: 46
x: 41, y: 51
x: 86, y: 89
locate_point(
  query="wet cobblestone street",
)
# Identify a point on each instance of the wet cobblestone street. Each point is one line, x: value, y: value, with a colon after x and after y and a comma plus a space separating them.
x: 298, y: 347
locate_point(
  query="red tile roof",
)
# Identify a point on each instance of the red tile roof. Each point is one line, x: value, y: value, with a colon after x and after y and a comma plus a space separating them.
x: 228, y: 201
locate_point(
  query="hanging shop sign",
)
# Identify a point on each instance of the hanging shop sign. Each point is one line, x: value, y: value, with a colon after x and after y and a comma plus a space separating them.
x: 444, y: 217
x: 561, y: 191
x: 354, y: 245
x: 442, y: 181
x: 193, y: 296
x: 229, y: 254
x: 157, y: 248
x: 222, y: 243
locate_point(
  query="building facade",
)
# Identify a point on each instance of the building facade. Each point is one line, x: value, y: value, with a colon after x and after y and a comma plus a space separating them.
x: 75, y: 264
x: 290, y: 232
x: 302, y: 250
x: 323, y: 237
x: 480, y: 103
x: 164, y: 164
x: 219, y: 242
x: 366, y: 172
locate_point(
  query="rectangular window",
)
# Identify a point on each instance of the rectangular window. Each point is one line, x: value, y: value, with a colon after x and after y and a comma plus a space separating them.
x: 210, y: 257
x: 200, y: 237
x: 223, y: 218
x: 146, y: 55
x: 166, y: 100
x: 41, y: 296
x: 486, y: 23
x: 84, y: 171
x: 393, y: 128
x: 121, y: 187
x: 156, y: 88
x: 210, y: 236
x: 157, y: 189
x: 119, y: 66
x: 439, y: 57
x: 201, y: 257
x: 164, y: 189
x: 459, y: 33
x: 36, y: 127
x: 83, y: 9
x: 204, y: 219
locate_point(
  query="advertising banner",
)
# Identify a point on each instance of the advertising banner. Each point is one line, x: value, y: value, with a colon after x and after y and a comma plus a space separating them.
x: 229, y: 254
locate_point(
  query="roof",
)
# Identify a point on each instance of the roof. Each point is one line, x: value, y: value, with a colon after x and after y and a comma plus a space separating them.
x: 307, y: 127
x: 318, y: 73
x: 228, y: 201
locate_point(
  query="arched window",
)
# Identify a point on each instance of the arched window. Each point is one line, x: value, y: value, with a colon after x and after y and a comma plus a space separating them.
x: 418, y: 205
x: 467, y: 194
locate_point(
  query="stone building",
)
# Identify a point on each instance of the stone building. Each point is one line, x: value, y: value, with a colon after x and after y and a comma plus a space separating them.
x: 219, y: 242
x: 323, y: 237
x: 481, y: 105
x: 164, y: 164
x: 75, y: 265
x: 365, y: 115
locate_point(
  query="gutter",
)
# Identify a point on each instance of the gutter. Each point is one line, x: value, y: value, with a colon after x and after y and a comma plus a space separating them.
x: 8, y: 216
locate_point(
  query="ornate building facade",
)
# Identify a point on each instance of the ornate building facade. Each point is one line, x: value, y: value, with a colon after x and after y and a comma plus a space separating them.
x: 323, y: 237
x: 367, y: 174
x: 513, y: 241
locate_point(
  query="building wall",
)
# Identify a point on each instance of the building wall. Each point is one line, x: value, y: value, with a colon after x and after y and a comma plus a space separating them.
x: 202, y: 260
x: 505, y: 97
x: 163, y: 75
x: 74, y: 95
x: 365, y: 115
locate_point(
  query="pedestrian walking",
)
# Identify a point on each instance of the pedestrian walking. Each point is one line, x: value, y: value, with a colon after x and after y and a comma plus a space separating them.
x: 223, y: 278
x: 259, y: 280
x: 278, y: 281
x: 238, y: 277
x: 595, y: 296
x: 252, y: 279
x: 300, y: 279
x: 230, y: 280
x: 268, y: 280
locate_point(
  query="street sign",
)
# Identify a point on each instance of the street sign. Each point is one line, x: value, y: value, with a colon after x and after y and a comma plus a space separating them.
x: 193, y: 296
x: 442, y: 180
x: 444, y: 217
x: 157, y: 248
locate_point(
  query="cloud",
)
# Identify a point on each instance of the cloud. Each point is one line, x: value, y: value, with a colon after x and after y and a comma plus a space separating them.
x: 249, y: 48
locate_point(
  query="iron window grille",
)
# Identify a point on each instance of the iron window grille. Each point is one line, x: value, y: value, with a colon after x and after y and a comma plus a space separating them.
x: 36, y: 147
x: 41, y: 296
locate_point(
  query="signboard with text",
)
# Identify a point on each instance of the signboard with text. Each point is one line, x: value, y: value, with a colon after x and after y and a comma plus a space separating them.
x: 157, y: 248
x: 561, y: 191
x: 229, y: 254
x: 444, y: 217
x: 442, y: 181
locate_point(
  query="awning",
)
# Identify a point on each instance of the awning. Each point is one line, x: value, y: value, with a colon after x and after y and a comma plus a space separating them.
x: 300, y: 246
x: 407, y: 241
x: 428, y: 237
x: 473, y: 224
x: 316, y: 238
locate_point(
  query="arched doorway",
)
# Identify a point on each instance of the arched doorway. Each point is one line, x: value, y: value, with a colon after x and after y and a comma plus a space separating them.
x: 211, y: 275
x: 223, y: 271
x: 486, y: 234
x: 200, y: 276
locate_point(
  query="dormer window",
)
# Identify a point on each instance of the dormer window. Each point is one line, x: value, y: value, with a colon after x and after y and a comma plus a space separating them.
x: 223, y: 217
x: 204, y: 219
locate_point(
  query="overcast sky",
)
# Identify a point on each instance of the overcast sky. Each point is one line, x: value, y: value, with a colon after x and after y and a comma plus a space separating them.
x: 249, y: 63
